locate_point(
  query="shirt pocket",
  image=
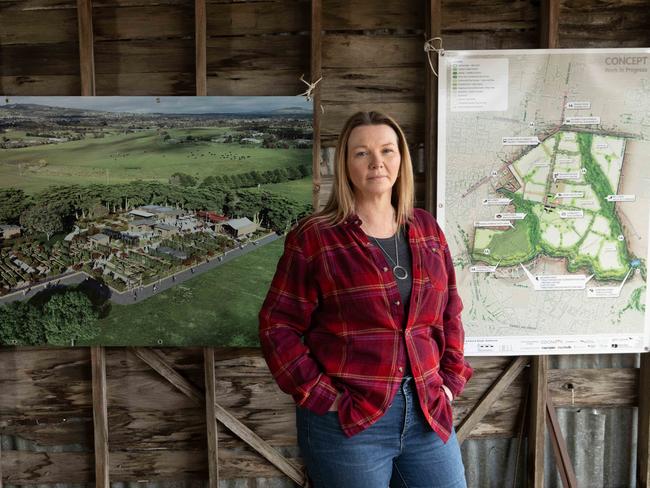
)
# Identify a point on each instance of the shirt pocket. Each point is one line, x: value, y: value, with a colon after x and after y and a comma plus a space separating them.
x: 433, y: 261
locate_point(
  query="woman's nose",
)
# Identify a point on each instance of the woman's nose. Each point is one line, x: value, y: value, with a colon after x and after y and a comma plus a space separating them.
x: 376, y: 159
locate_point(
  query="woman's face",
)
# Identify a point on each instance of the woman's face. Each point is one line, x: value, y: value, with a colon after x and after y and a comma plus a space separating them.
x: 373, y: 160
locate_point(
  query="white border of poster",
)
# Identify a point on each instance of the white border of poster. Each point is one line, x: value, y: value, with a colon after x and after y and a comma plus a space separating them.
x: 504, y: 345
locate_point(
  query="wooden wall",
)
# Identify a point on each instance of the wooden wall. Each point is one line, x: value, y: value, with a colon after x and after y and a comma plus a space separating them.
x: 157, y: 433
x: 372, y: 57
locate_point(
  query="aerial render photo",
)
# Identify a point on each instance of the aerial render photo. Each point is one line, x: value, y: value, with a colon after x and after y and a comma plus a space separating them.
x: 146, y: 220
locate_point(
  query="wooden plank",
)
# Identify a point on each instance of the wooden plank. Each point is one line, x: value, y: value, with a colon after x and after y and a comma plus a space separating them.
x: 86, y: 50
x: 1, y: 461
x: 45, y: 5
x: 516, y: 39
x: 537, y: 420
x: 144, y: 56
x: 210, y: 417
x: 594, y: 387
x: 560, y: 451
x: 40, y: 85
x: 352, y: 51
x: 489, y: 15
x: 550, y: 22
x: 33, y: 27
x: 602, y: 23
x: 40, y: 59
x: 45, y: 383
x: 100, y: 416
x: 373, y: 85
x: 486, y: 402
x: 259, y: 17
x: 30, y: 468
x: 157, y: 362
x: 147, y: 84
x: 201, y: 57
x: 341, y: 15
x: 287, y: 52
x: 263, y: 82
x: 433, y: 29
x: 150, y: 22
x: 315, y: 77
x: 643, y: 442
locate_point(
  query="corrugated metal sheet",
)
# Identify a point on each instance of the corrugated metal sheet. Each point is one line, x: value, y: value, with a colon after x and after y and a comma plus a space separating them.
x: 601, y: 441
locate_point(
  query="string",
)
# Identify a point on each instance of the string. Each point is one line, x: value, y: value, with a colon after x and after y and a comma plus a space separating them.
x: 309, y: 92
x: 429, y: 47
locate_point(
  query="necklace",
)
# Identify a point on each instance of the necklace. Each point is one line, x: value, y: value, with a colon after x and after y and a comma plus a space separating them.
x: 399, y: 271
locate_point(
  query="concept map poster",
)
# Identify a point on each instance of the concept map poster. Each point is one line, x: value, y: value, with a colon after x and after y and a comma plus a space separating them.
x: 144, y: 220
x: 544, y: 195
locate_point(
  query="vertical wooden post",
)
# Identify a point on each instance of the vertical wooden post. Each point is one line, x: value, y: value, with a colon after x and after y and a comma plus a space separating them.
x: 100, y: 416
x: 210, y: 416
x: 201, y: 56
x: 537, y: 421
x: 0, y: 461
x: 550, y: 21
x: 86, y: 49
x: 433, y: 29
x: 316, y: 69
x: 643, y: 442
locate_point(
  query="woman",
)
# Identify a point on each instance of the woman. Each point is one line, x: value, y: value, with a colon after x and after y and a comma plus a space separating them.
x: 362, y: 325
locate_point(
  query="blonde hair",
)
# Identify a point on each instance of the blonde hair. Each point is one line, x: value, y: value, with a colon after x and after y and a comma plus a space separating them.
x: 341, y: 201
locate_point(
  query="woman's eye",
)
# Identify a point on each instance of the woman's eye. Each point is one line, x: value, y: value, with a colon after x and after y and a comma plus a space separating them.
x: 360, y: 154
x: 387, y: 150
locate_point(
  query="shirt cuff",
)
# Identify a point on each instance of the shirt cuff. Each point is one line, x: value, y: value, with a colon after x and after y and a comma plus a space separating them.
x: 320, y: 397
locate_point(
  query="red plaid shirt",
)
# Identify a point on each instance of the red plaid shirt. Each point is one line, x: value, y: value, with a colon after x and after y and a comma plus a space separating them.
x: 332, y: 322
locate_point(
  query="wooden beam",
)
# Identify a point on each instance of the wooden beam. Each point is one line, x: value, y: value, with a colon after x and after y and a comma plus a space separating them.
x: 100, y: 416
x: 643, y: 442
x: 86, y: 50
x: 0, y: 460
x: 210, y: 416
x: 562, y: 459
x: 550, y: 22
x: 201, y: 50
x: 316, y: 71
x: 433, y: 29
x: 489, y: 397
x: 157, y: 361
x: 537, y: 418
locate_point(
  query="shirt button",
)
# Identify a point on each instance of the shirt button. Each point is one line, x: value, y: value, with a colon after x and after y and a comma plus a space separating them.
x: 400, y: 369
x: 397, y: 302
x: 385, y: 269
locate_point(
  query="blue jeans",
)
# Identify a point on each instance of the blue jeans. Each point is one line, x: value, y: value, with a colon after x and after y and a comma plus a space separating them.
x: 399, y: 450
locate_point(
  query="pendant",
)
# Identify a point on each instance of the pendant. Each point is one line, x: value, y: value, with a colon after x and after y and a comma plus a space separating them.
x: 400, y: 273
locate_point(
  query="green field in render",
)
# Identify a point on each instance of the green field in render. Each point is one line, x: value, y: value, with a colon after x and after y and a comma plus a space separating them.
x: 299, y: 190
x: 218, y: 307
x: 121, y: 158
